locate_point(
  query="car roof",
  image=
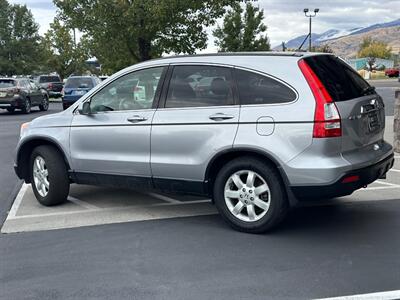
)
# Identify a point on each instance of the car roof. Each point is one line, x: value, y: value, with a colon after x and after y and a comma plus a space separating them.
x: 231, y: 58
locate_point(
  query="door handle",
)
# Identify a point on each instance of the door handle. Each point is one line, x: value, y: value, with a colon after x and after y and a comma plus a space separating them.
x: 220, y: 117
x: 136, y: 119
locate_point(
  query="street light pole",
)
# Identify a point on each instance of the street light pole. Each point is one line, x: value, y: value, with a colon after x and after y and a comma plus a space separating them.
x: 310, y: 16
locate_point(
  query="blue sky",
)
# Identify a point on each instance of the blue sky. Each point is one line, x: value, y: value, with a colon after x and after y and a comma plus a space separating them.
x: 284, y: 18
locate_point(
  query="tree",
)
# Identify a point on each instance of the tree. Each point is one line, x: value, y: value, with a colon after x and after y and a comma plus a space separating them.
x: 60, y: 52
x: 324, y: 48
x: 19, y: 40
x: 128, y: 31
x: 242, y: 30
x: 373, y: 49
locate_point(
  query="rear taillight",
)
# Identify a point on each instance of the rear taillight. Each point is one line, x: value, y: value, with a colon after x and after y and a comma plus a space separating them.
x: 327, y: 121
x: 50, y: 86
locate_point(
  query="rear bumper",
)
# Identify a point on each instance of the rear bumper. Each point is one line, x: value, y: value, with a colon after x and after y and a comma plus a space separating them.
x: 11, y: 102
x: 365, y: 176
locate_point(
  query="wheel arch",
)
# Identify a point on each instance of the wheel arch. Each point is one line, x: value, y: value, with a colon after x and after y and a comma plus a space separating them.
x: 25, y: 151
x: 225, y: 156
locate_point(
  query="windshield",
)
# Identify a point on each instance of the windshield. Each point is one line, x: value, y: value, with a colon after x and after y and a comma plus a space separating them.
x: 44, y: 79
x: 79, y: 82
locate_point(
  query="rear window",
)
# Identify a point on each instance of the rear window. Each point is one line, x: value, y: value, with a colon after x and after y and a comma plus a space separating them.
x: 44, y: 79
x: 259, y: 89
x: 6, y: 83
x: 76, y: 83
x: 341, y: 81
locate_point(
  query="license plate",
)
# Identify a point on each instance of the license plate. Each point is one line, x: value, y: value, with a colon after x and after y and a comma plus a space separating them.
x: 79, y: 92
x: 3, y: 94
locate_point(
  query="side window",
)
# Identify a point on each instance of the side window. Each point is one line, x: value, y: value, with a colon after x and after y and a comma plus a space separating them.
x: 197, y: 86
x: 133, y: 91
x: 258, y: 89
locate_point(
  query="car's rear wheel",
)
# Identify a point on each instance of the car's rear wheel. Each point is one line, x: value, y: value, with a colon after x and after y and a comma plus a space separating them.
x: 49, y: 176
x: 11, y: 109
x: 26, y: 107
x: 250, y: 195
x: 44, y: 106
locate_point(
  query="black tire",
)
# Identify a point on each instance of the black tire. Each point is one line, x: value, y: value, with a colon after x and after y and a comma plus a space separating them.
x: 11, y: 110
x: 278, y: 206
x: 57, y: 176
x: 26, y: 108
x: 44, y: 106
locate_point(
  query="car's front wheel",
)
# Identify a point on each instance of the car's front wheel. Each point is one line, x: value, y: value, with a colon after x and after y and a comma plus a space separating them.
x: 44, y: 106
x: 250, y: 195
x: 49, y: 176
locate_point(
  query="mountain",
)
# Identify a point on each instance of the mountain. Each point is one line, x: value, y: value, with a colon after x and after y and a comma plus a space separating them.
x: 347, y: 46
x: 333, y: 34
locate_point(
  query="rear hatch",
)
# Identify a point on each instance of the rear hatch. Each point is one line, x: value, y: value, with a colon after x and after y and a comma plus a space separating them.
x: 361, y: 109
x: 7, y: 88
x: 77, y: 86
x: 51, y: 83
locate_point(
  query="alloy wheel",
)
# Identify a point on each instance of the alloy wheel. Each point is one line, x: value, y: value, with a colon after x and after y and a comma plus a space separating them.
x: 247, y: 195
x: 40, y: 176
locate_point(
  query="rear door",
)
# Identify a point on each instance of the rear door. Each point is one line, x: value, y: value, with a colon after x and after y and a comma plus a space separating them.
x: 361, y: 108
x: 192, y: 124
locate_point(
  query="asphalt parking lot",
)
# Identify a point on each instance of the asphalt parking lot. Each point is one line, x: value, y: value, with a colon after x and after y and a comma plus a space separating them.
x: 157, y: 246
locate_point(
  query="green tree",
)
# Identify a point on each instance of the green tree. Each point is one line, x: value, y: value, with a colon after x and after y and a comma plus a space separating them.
x: 373, y: 49
x: 19, y: 40
x: 242, y: 30
x: 128, y: 31
x: 60, y: 53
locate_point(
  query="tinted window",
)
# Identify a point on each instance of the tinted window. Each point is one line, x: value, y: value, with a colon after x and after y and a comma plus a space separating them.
x: 43, y: 79
x: 196, y: 86
x: 341, y: 81
x: 5, y: 83
x: 134, y: 91
x: 258, y: 89
x: 79, y: 82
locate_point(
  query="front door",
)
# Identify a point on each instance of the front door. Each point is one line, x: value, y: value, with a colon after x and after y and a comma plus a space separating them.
x: 114, y: 138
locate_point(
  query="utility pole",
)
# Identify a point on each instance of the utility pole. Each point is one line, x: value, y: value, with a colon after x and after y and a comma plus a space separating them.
x: 310, y: 15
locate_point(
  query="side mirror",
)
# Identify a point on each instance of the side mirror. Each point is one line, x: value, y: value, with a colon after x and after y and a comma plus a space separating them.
x: 84, y: 108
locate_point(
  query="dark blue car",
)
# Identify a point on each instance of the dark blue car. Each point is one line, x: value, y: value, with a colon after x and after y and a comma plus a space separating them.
x: 77, y: 86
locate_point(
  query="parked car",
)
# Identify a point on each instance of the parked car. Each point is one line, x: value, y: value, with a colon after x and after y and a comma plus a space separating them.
x: 52, y: 83
x: 269, y: 130
x: 392, y: 72
x: 23, y: 94
x: 77, y: 86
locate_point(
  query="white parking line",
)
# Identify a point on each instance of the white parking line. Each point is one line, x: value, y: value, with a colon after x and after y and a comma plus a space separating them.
x: 115, y: 208
x: 394, y: 170
x: 83, y: 203
x: 17, y: 201
x: 378, y: 188
x: 387, y: 183
x: 390, y: 295
x: 164, y: 198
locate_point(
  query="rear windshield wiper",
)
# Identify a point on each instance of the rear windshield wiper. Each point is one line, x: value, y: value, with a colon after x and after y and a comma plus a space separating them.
x: 368, y: 90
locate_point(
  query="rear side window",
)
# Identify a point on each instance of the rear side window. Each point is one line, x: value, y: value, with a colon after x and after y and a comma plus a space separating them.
x: 44, y: 79
x: 199, y: 86
x: 339, y: 79
x: 5, y: 83
x: 76, y: 83
x: 258, y: 89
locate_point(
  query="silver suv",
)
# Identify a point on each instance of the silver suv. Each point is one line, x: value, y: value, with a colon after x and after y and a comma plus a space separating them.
x: 257, y: 132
